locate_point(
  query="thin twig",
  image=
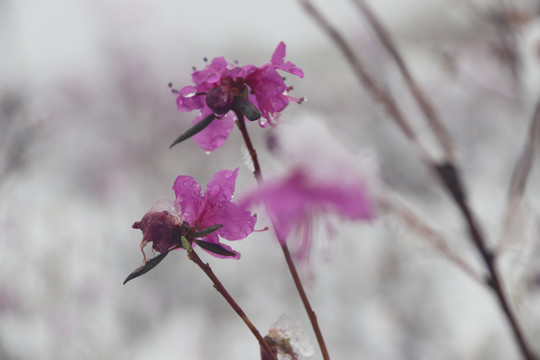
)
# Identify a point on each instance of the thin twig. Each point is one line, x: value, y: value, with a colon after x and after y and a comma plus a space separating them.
x: 311, y: 314
x: 378, y: 93
x: 522, y: 170
x: 290, y: 263
x: 451, y: 179
x: 241, y: 123
x: 435, y: 239
x: 221, y: 289
x: 432, y: 116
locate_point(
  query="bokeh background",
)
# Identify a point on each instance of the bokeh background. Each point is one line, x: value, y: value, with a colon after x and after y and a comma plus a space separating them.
x: 86, y: 118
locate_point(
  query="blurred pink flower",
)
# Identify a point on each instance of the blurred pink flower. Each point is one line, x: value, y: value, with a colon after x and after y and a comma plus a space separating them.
x: 168, y: 220
x: 292, y: 202
x: 221, y: 87
x: 322, y: 180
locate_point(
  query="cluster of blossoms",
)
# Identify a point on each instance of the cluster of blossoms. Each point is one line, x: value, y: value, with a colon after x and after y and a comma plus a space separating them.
x: 320, y: 181
x: 222, y: 90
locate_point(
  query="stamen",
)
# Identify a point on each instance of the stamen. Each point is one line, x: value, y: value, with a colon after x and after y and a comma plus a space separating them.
x: 173, y: 90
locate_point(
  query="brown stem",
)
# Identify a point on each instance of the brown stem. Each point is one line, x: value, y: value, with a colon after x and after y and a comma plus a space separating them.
x: 247, y: 140
x: 221, y: 289
x: 451, y: 178
x: 290, y: 263
x: 311, y: 314
x: 520, y: 176
x: 435, y: 239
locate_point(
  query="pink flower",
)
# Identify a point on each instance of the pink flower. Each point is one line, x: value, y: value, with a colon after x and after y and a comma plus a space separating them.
x: 221, y: 87
x: 191, y: 212
x: 322, y: 180
x: 292, y: 202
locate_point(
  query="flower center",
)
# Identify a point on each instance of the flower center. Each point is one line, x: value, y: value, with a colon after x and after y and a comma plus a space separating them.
x: 221, y: 99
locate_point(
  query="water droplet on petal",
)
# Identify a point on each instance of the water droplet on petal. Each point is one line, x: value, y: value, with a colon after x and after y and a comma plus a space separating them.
x: 190, y: 94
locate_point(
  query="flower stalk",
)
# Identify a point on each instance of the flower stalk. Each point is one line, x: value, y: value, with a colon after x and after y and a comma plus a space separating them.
x: 192, y: 255
x: 290, y: 263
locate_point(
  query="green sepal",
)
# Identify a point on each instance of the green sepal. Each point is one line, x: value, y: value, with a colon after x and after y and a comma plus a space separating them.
x: 216, y: 249
x: 206, y: 231
x: 194, y: 130
x: 186, y: 244
x: 150, y: 264
x: 245, y: 107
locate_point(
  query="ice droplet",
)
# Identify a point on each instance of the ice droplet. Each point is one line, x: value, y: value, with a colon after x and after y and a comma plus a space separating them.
x: 292, y: 331
x: 247, y: 158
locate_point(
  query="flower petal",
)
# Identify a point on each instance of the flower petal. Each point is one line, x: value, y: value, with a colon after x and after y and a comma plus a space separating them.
x: 188, y: 196
x: 351, y: 202
x: 292, y: 200
x: 216, y: 133
x: 188, y: 100
x: 266, y: 82
x: 278, y: 61
x: 285, y: 202
x: 211, y: 73
x: 221, y: 187
x: 218, y: 209
x: 237, y: 223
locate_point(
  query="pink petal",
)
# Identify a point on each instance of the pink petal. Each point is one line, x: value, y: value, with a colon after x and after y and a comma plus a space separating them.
x: 218, y: 209
x: 279, y: 53
x: 285, y: 203
x: 292, y: 200
x: 221, y: 187
x: 278, y: 61
x: 187, y: 99
x: 271, y: 108
x: 237, y: 223
x: 351, y: 202
x: 211, y: 73
x: 266, y: 82
x: 188, y: 196
x: 216, y: 133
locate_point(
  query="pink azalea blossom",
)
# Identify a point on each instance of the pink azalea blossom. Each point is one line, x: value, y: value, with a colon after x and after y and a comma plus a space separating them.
x: 292, y: 202
x: 322, y: 181
x: 168, y: 220
x: 220, y: 84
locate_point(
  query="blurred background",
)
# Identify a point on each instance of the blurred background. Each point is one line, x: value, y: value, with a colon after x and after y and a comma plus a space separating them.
x: 86, y: 119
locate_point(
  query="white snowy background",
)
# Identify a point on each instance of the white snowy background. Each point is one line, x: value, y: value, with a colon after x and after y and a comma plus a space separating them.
x: 85, y: 122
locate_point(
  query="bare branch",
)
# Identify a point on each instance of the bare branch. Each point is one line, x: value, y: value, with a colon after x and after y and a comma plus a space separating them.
x: 434, y: 238
x: 432, y: 116
x: 378, y: 92
x: 522, y: 170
